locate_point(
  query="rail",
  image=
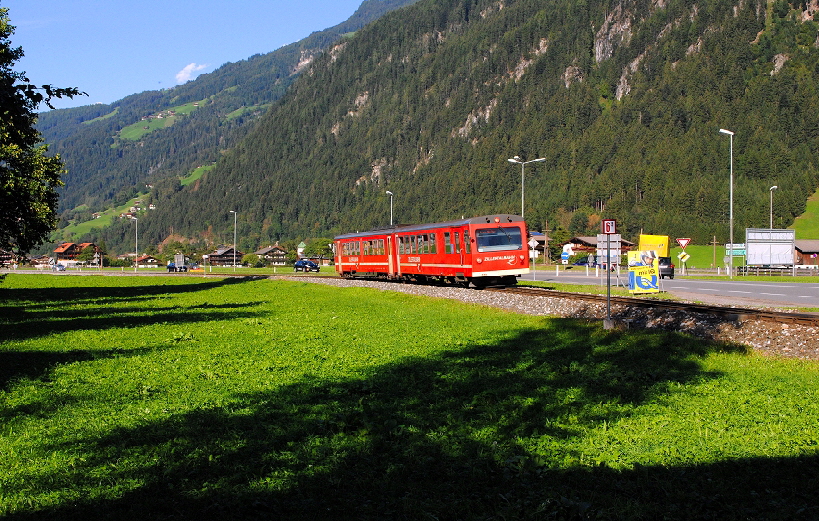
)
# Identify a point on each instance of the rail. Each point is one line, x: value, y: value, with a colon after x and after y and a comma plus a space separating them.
x: 733, y: 313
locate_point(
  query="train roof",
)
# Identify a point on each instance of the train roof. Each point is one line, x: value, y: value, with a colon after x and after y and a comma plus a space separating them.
x: 484, y: 219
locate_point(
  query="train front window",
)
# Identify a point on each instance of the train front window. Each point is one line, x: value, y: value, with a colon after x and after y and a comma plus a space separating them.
x: 499, y: 238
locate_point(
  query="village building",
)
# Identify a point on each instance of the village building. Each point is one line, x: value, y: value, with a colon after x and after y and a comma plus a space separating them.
x: 148, y: 261
x: 272, y: 255
x: 806, y: 252
x: 68, y: 252
x: 225, y: 257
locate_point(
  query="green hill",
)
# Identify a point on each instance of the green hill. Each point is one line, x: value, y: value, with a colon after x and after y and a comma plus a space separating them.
x: 624, y: 102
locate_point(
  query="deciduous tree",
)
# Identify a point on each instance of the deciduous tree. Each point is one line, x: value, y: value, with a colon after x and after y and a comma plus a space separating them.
x: 28, y: 177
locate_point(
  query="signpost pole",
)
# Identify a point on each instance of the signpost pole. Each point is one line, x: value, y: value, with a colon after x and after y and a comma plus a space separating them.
x: 608, y: 277
x: 609, y: 228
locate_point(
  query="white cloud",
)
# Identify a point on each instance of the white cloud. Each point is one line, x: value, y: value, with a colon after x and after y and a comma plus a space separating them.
x: 187, y: 73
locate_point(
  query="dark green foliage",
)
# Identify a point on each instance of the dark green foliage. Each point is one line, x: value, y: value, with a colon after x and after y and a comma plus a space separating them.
x: 431, y: 100
x: 28, y: 176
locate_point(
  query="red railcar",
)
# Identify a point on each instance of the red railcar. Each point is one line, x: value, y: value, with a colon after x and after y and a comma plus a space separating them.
x: 487, y: 250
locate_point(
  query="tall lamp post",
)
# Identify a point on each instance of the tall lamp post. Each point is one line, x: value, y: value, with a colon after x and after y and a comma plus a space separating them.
x: 136, y: 244
x: 234, y: 239
x: 390, y: 194
x: 730, y: 205
x: 774, y: 187
x: 522, y: 163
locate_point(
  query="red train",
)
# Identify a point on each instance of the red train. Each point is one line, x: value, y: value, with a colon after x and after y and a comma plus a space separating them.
x: 488, y: 250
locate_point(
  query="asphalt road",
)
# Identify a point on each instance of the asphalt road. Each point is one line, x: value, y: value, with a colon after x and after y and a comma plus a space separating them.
x: 736, y: 292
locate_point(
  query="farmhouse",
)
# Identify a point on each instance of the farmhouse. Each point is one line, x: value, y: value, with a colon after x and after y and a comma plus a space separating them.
x: 225, y: 257
x: 274, y: 255
x: 68, y: 251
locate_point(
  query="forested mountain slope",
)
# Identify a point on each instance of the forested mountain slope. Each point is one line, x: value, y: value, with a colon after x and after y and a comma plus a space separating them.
x: 624, y: 99
x: 110, y: 155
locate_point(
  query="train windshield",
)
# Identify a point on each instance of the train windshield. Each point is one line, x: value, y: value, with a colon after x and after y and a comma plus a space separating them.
x: 500, y: 238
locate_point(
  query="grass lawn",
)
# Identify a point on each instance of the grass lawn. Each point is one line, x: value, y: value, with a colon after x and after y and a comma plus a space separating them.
x: 198, y: 398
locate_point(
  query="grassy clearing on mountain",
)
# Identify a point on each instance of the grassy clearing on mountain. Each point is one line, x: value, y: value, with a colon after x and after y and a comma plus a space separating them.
x: 136, y: 398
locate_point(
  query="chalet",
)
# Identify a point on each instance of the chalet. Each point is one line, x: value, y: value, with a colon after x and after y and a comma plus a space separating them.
x: 274, y: 255
x: 807, y: 252
x: 68, y: 251
x: 225, y: 257
x: 589, y: 245
x: 6, y: 258
x: 148, y: 261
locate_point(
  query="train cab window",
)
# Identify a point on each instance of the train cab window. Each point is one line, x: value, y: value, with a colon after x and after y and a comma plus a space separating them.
x: 499, y: 238
x: 467, y: 246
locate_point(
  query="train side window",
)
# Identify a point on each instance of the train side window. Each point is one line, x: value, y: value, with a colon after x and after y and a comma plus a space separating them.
x: 400, y: 246
x: 457, y: 242
x: 366, y: 247
x: 467, y: 246
x: 447, y: 243
x: 432, y: 241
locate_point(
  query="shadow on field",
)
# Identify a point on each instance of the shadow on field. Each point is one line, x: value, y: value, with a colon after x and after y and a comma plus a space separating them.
x: 49, y: 297
x: 22, y: 320
x: 484, y: 432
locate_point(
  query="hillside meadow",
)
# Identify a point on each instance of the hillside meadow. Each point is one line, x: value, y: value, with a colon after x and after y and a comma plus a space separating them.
x: 163, y: 397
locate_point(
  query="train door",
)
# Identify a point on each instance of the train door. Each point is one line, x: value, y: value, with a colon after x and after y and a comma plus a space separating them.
x: 391, y: 256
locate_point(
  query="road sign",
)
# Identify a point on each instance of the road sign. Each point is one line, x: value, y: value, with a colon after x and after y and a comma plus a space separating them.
x: 564, y: 256
x: 683, y: 256
x: 609, y: 226
x: 683, y: 242
x: 532, y: 244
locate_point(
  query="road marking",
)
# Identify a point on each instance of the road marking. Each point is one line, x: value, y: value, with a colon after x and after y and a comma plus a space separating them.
x: 774, y: 294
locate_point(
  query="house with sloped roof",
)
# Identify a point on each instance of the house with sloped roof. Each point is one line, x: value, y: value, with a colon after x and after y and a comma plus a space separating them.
x: 273, y: 255
x: 807, y: 252
x: 225, y: 257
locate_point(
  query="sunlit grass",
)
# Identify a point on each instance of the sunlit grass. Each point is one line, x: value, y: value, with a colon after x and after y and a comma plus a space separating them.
x: 159, y: 397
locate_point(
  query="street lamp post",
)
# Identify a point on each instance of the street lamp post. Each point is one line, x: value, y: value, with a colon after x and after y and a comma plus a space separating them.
x: 522, y: 163
x: 390, y: 194
x: 234, y: 239
x: 136, y: 245
x: 774, y: 187
x: 730, y: 205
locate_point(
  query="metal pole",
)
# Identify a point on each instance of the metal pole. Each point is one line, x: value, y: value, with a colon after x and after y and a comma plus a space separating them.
x: 774, y: 187
x: 522, y: 165
x: 608, y: 277
x: 730, y: 205
x: 136, y: 245
x: 234, y: 239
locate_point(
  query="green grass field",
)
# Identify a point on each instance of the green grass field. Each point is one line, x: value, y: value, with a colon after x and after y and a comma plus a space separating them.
x: 200, y: 398
x: 75, y: 230
x: 136, y: 130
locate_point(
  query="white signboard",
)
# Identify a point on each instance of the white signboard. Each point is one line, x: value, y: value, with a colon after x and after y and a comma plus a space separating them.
x: 766, y: 247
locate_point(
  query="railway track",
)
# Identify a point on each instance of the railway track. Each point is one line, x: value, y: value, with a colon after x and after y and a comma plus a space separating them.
x: 733, y: 313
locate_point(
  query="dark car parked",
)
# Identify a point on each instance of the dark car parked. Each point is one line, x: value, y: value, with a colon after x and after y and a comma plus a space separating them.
x: 305, y: 265
x: 666, y: 267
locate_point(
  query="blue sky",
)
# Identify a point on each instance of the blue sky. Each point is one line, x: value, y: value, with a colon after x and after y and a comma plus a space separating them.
x: 113, y: 48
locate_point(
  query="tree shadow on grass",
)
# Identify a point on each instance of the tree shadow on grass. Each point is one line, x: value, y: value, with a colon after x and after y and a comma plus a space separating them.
x: 16, y: 297
x: 446, y: 437
x: 23, y: 321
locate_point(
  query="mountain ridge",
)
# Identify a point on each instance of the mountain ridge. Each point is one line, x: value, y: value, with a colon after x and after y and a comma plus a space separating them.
x: 623, y: 99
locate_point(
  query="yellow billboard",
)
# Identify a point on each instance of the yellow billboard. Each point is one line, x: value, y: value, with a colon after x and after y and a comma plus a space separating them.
x: 658, y: 243
x: 643, y: 271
